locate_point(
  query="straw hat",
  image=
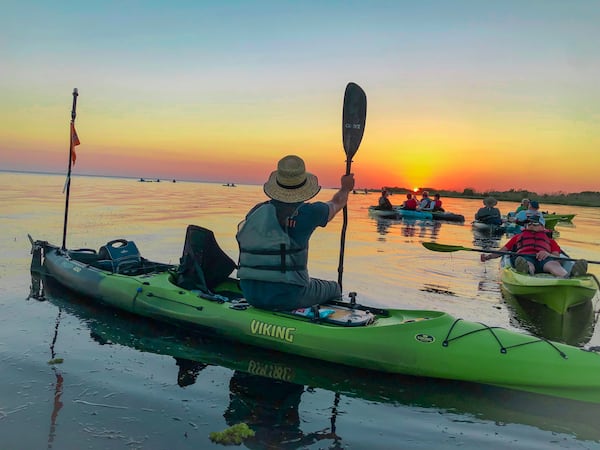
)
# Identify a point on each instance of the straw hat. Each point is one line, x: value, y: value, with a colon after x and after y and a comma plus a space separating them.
x: 291, y: 183
x: 490, y: 202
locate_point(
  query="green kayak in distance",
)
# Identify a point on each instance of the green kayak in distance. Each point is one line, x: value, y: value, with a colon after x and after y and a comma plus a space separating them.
x: 409, y: 342
x: 559, y: 217
x: 559, y: 294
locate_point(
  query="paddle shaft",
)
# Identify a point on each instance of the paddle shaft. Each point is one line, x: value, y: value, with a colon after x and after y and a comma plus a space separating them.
x: 343, y: 235
x: 445, y: 248
x: 521, y: 254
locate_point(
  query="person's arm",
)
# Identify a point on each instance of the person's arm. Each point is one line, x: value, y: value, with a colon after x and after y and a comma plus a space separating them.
x: 508, y: 247
x: 340, y: 198
x: 554, y: 251
x: 489, y: 256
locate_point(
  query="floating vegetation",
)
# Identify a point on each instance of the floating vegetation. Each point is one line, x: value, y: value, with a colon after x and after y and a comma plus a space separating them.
x: 56, y: 361
x: 234, y: 435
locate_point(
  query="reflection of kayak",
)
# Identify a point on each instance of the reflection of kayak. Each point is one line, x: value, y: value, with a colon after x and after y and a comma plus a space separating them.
x: 448, y: 216
x: 488, y: 227
x: 384, y: 213
x: 574, y: 327
x: 412, y: 214
x: 410, y: 342
x: 559, y: 294
x: 425, y: 394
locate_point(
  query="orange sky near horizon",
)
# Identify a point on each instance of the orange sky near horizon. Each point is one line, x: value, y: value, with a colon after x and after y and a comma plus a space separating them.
x: 409, y: 153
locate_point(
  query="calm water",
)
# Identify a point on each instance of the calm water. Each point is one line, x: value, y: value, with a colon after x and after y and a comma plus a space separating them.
x: 127, y: 384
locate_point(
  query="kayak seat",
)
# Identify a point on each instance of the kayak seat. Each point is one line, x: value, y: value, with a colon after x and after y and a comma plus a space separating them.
x: 84, y: 255
x: 203, y: 265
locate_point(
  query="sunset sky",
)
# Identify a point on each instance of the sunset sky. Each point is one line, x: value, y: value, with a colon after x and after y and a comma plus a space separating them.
x: 478, y: 94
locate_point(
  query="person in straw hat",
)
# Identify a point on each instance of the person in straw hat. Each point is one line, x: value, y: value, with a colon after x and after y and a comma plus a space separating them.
x: 273, y: 240
x: 489, y: 213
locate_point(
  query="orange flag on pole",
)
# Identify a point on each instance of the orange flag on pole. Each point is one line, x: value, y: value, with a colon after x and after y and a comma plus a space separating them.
x: 74, y: 142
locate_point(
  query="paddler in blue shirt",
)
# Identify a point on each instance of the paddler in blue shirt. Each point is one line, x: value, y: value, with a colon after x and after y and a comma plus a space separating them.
x: 273, y: 240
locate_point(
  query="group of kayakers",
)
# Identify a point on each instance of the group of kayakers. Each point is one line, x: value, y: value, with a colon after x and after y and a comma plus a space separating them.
x: 490, y: 214
x: 273, y: 239
x: 411, y: 203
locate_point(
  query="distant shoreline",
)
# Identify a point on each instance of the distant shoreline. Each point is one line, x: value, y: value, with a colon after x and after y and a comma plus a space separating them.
x: 586, y: 198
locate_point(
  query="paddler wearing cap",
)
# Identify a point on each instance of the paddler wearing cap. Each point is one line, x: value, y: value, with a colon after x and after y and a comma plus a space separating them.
x: 273, y: 239
x: 536, y: 252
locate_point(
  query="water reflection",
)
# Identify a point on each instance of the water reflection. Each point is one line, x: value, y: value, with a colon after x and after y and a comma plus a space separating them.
x: 188, y: 371
x: 36, y: 292
x: 410, y: 227
x: 574, y: 327
x: 486, y: 239
x: 270, y: 409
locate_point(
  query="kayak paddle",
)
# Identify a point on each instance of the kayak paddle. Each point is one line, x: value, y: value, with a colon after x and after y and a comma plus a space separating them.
x: 434, y: 246
x: 354, y: 116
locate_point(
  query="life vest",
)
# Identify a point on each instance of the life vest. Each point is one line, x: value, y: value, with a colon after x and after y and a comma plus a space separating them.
x: 410, y: 204
x: 437, y: 205
x: 530, y: 242
x: 267, y: 252
x: 425, y: 202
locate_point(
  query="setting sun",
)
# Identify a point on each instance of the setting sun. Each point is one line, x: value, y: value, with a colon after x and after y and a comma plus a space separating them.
x: 416, y: 189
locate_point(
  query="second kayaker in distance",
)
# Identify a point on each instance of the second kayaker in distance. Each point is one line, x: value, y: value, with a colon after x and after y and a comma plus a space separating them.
x: 489, y: 214
x: 384, y: 201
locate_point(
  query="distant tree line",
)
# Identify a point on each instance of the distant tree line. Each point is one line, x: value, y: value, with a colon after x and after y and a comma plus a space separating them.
x: 585, y: 198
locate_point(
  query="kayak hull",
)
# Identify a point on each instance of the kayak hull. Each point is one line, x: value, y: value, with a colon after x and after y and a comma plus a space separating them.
x: 488, y: 227
x: 412, y: 214
x: 559, y: 294
x: 384, y: 213
x: 448, y: 216
x: 411, y: 342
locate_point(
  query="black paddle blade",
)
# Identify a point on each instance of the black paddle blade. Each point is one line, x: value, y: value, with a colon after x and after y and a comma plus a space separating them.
x: 353, y: 118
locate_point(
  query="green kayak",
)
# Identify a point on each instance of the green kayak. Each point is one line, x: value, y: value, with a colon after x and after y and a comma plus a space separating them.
x: 410, y: 342
x: 559, y: 294
x: 559, y: 217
